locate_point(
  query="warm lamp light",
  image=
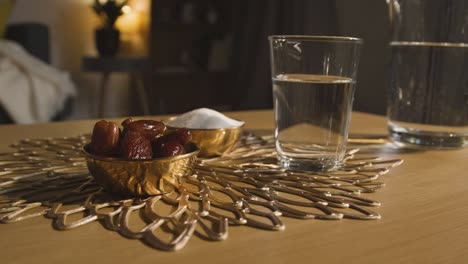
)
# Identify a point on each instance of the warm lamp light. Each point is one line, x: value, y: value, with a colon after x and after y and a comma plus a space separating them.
x: 132, y: 25
x: 129, y: 23
x: 132, y: 18
x: 126, y: 9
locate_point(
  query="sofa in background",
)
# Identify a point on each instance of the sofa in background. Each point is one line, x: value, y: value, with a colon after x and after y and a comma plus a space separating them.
x: 34, y: 38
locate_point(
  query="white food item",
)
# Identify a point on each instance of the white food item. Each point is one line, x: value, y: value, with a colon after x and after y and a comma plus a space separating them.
x: 204, y: 118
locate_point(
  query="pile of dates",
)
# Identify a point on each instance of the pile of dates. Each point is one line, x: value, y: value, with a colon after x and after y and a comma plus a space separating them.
x: 139, y: 140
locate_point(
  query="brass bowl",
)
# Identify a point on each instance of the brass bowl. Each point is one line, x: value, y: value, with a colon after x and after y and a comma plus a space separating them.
x: 140, y: 177
x: 214, y: 142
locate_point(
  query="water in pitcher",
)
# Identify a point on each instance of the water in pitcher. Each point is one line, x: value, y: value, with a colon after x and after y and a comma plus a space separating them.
x: 428, y: 99
x: 312, y: 116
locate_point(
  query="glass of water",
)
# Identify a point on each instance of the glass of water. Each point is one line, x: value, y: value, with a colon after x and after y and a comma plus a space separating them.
x: 428, y: 91
x: 314, y: 79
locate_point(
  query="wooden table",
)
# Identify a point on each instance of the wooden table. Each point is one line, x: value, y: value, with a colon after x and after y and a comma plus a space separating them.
x: 424, y: 218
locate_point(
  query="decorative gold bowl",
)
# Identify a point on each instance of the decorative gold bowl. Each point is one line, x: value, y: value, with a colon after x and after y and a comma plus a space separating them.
x: 140, y: 177
x: 214, y: 142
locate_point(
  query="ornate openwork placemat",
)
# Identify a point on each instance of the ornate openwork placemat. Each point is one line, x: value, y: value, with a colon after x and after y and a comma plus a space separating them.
x: 48, y: 177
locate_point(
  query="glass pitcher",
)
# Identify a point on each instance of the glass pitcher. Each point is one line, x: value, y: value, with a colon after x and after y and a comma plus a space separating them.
x: 428, y: 91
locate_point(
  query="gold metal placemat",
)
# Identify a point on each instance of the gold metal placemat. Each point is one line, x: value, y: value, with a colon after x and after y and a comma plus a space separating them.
x: 48, y: 177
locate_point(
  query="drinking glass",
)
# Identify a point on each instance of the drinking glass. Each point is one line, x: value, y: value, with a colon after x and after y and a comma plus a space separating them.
x: 428, y: 91
x: 314, y: 79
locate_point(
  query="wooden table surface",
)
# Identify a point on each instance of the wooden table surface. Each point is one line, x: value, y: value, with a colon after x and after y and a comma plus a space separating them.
x: 424, y: 218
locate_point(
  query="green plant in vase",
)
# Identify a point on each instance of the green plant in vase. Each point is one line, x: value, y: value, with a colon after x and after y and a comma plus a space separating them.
x: 107, y: 36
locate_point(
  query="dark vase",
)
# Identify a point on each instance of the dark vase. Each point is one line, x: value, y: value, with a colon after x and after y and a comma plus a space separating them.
x: 107, y: 41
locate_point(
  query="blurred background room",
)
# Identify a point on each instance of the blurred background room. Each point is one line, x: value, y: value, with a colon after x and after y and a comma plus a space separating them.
x: 173, y: 55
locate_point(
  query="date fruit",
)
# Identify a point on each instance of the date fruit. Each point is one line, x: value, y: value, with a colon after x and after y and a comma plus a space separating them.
x: 171, y: 145
x: 139, y: 140
x: 135, y: 146
x: 150, y: 129
x: 170, y: 149
x: 127, y: 121
x: 105, y: 138
x: 181, y: 135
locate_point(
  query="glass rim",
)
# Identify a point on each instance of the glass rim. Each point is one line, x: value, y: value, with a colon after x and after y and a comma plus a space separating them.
x: 322, y: 38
